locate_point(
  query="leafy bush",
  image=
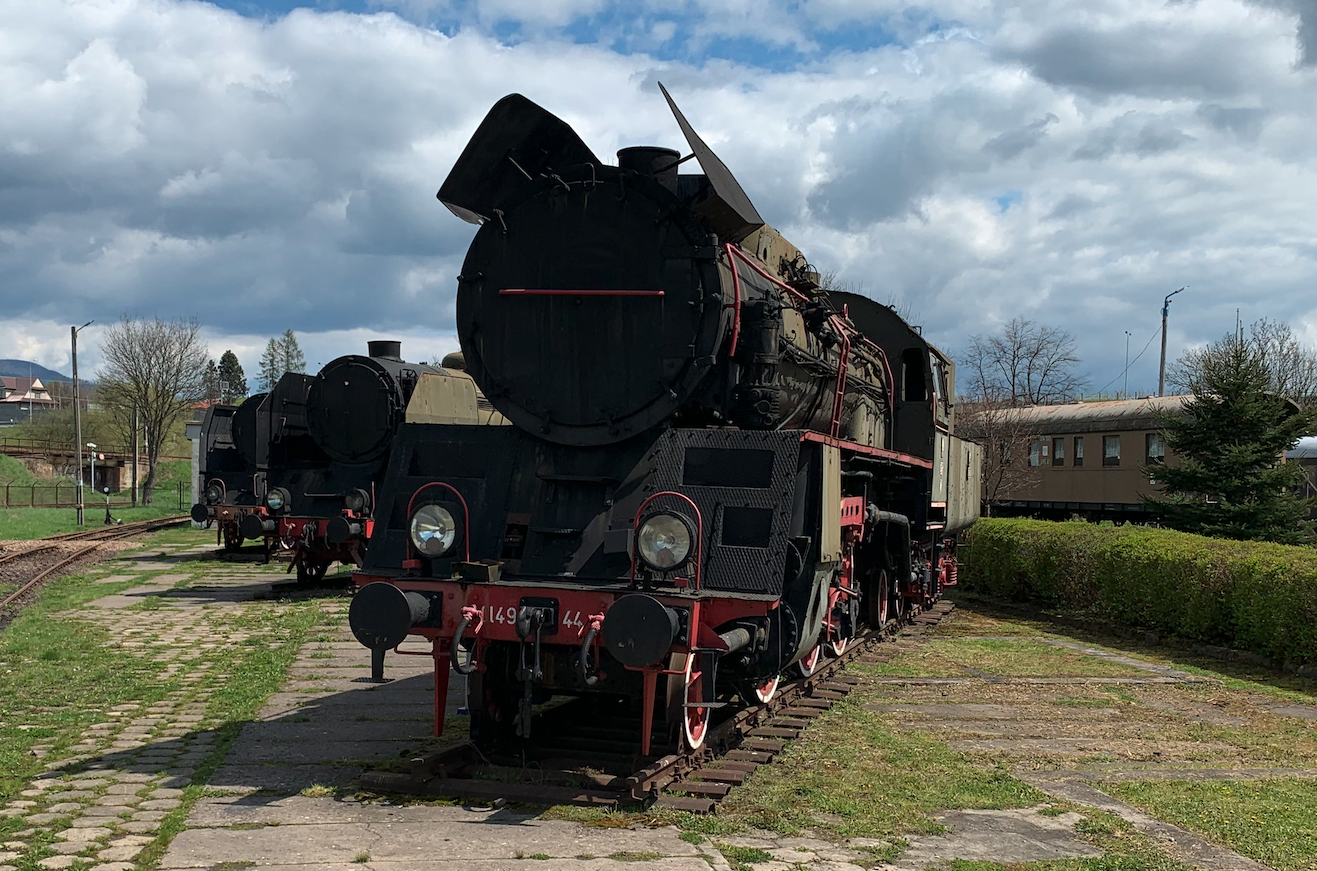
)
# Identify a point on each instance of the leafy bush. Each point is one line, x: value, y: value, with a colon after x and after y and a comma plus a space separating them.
x: 1254, y: 596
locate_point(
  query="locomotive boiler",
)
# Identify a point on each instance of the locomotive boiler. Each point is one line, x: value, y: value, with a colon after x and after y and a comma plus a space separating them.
x: 718, y: 471
x: 230, y: 468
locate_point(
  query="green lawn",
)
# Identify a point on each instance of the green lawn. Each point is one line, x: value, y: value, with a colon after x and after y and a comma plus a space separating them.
x: 1273, y: 821
x: 29, y: 523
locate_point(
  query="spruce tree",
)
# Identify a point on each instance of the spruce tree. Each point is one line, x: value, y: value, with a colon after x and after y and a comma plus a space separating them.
x: 272, y: 368
x: 293, y: 359
x: 233, y: 381
x: 210, y: 386
x: 1231, y: 481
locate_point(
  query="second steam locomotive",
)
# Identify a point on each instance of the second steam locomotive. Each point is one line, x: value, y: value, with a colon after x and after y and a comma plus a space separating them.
x: 718, y: 472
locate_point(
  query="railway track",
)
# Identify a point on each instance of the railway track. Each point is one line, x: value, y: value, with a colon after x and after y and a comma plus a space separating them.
x: 605, y: 775
x: 54, y: 546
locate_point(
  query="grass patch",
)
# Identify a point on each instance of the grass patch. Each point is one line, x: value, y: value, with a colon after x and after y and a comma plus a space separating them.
x: 692, y: 838
x: 1272, y: 821
x: 741, y: 857
x: 59, y: 676
x: 361, y: 858
x: 29, y: 523
x: 635, y: 856
x: 887, y: 853
x: 851, y: 774
x: 1005, y: 657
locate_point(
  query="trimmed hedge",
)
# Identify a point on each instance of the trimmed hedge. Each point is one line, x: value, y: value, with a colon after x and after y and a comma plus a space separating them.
x: 1254, y: 596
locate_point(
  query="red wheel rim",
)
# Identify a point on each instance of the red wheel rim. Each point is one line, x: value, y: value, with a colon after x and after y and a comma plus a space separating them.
x: 810, y: 662
x: 838, y: 646
x: 695, y: 720
x: 765, y: 691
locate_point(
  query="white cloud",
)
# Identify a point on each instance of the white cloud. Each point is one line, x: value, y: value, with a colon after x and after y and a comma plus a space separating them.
x: 1067, y: 160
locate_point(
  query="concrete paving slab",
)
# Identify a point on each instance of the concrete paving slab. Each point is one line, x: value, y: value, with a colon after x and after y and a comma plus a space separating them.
x: 323, y: 730
x: 411, y: 841
x: 1003, y: 837
x: 290, y: 753
x: 282, y: 779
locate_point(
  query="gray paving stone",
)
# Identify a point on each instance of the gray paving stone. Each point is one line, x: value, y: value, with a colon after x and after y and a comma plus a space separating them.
x: 57, y: 862
x: 118, y: 854
x: 417, y: 836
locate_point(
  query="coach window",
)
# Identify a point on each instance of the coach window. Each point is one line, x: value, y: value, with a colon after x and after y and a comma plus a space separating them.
x: 1079, y: 450
x: 1111, y: 450
x: 1058, y: 452
x: 1035, y: 452
x: 1156, y: 448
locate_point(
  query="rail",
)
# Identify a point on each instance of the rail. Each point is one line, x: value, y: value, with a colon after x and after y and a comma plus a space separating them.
x: 689, y: 781
x: 95, y: 537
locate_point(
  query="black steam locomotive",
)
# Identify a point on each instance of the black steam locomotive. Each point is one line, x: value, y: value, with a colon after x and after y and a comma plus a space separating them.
x: 324, y: 443
x: 717, y: 470
x: 230, y: 468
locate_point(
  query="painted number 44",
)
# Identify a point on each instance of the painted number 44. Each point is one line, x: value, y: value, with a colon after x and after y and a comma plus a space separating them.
x: 572, y: 620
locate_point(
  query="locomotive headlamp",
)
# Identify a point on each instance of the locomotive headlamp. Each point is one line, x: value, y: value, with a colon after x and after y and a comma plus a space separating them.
x: 214, y: 493
x: 276, y: 499
x: 664, y: 541
x: 356, y: 500
x: 433, y: 530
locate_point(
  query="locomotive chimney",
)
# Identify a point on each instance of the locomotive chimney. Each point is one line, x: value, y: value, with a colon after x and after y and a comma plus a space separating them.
x: 659, y: 163
x: 387, y: 349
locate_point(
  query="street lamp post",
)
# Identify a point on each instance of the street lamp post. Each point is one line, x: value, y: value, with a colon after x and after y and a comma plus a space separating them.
x: 1126, y: 391
x: 92, y: 445
x: 77, y: 414
x: 1161, y: 370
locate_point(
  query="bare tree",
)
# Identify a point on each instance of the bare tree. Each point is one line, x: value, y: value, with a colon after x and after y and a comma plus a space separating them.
x: 1005, y: 434
x: 832, y: 281
x: 157, y: 368
x: 1291, y: 365
x: 1025, y: 364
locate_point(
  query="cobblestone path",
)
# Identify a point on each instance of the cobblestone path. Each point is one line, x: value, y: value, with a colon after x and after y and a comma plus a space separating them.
x: 104, y: 797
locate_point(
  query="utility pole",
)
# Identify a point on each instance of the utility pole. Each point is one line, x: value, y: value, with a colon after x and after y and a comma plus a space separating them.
x: 77, y: 414
x: 135, y: 441
x: 1126, y: 391
x: 1161, y: 371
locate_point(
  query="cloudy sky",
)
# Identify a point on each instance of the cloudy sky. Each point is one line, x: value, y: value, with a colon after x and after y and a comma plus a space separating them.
x: 265, y: 164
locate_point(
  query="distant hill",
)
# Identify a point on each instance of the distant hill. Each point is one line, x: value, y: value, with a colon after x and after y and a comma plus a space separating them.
x: 26, y: 368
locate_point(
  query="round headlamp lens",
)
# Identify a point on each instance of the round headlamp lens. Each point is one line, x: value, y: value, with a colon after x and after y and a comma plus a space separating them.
x: 275, y: 500
x: 664, y: 542
x: 433, y: 530
x: 214, y: 492
x: 356, y: 500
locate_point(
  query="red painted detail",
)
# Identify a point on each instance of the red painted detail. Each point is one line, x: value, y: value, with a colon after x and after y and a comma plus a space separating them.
x: 852, y: 511
x: 706, y: 638
x: 895, y: 456
x: 466, y: 516
x: 736, y: 303
x: 843, y: 365
x: 521, y: 291
x: 648, y: 692
x: 699, y: 532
